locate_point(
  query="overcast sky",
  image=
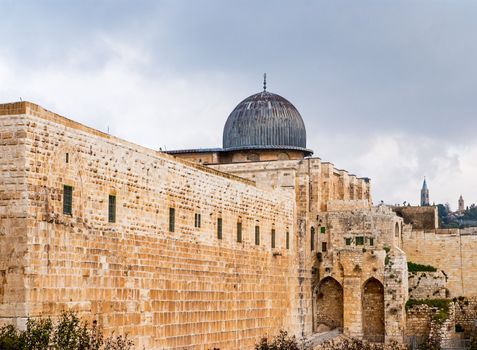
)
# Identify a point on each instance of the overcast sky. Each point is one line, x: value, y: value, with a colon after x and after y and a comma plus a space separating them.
x: 387, y: 89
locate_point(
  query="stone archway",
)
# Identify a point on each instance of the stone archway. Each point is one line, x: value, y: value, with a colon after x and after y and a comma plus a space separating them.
x: 373, y: 310
x: 328, y: 300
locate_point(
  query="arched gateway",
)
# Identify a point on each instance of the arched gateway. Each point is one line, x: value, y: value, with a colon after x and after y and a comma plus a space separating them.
x: 373, y: 310
x: 328, y: 302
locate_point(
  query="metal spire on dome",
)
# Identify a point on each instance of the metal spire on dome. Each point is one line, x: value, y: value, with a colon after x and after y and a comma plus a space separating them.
x: 264, y: 81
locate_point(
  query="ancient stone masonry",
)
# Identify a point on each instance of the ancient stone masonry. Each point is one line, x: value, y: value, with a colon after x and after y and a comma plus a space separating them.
x: 186, y: 256
x: 362, y: 257
x: 170, y: 290
x: 449, y: 250
x: 428, y: 285
x: 13, y: 215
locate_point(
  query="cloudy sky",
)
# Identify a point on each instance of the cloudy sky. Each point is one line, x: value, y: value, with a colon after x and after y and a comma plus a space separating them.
x: 387, y: 89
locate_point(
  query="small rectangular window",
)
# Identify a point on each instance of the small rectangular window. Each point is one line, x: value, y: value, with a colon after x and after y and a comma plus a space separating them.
x: 360, y: 240
x: 67, y: 200
x: 219, y: 228
x: 348, y: 241
x: 312, y: 239
x: 288, y: 240
x: 197, y: 220
x: 323, y: 229
x: 323, y: 247
x: 239, y: 232
x: 371, y: 241
x: 273, y: 238
x: 257, y: 235
x: 172, y: 219
x: 67, y: 158
x: 112, y: 208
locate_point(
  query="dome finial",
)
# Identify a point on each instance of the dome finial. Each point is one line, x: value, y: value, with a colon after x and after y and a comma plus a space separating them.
x: 264, y: 81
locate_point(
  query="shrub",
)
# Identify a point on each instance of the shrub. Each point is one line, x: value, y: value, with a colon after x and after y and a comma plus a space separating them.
x: 37, y: 334
x: 69, y: 333
x: 281, y: 342
x: 9, y: 338
x: 413, y: 267
x: 357, y: 344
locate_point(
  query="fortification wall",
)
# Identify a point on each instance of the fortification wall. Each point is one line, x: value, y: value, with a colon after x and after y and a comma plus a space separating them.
x: 427, y: 285
x: 421, y: 218
x: 452, y: 253
x: 168, y: 290
x: 13, y: 218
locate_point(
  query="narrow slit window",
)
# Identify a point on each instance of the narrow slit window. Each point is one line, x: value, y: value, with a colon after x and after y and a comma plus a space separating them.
x: 288, y: 240
x: 273, y: 238
x: 257, y: 235
x: 197, y: 220
x: 67, y: 200
x: 324, y: 247
x: 67, y: 158
x: 219, y: 228
x: 172, y: 219
x: 112, y: 208
x: 371, y: 241
x: 312, y: 239
x: 239, y: 232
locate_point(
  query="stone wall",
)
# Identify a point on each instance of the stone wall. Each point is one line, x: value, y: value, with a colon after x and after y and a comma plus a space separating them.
x: 466, y: 314
x: 453, y: 253
x: 168, y: 290
x: 362, y: 258
x: 13, y: 215
x: 421, y: 218
x: 427, y: 285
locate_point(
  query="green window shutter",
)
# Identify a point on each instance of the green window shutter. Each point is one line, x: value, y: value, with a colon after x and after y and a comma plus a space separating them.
x: 219, y: 228
x: 312, y: 239
x: 172, y: 219
x: 323, y: 229
x: 112, y: 208
x: 257, y: 235
x: 273, y: 238
x: 239, y: 232
x: 348, y: 241
x: 360, y: 240
x: 67, y: 200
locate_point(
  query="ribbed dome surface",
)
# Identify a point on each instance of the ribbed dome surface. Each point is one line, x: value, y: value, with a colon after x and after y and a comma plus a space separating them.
x: 265, y: 121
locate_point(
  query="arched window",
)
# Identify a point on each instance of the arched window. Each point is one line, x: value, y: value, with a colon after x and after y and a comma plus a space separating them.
x: 312, y: 238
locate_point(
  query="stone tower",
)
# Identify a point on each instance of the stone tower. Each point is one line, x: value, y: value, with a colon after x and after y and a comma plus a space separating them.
x: 461, y: 204
x: 424, y: 194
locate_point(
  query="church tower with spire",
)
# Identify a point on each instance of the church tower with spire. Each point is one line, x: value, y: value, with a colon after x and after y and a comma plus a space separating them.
x: 461, y: 204
x: 424, y: 194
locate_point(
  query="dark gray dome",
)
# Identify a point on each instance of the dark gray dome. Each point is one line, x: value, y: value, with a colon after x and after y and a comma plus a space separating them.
x: 265, y: 121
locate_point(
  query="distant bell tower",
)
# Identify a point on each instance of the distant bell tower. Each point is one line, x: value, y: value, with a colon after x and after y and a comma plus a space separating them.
x: 424, y: 194
x: 461, y: 204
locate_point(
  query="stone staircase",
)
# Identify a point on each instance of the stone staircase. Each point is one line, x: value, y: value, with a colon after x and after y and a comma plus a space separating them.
x: 319, y: 338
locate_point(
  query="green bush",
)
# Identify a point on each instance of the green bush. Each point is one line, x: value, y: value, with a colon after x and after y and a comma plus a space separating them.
x: 413, y: 267
x: 69, y: 333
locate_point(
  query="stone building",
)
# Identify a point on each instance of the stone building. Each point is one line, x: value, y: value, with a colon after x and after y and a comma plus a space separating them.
x: 194, y: 249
